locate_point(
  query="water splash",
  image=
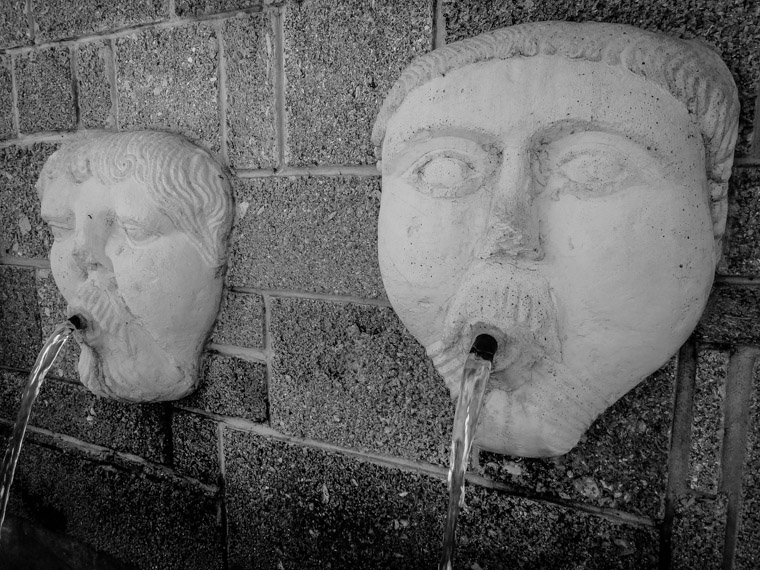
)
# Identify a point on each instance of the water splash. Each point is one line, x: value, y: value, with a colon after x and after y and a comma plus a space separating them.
x: 477, y: 368
x: 44, y: 361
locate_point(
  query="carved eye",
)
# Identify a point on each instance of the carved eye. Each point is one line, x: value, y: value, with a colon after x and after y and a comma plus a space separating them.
x: 61, y: 230
x: 594, y: 172
x: 137, y: 234
x: 445, y: 174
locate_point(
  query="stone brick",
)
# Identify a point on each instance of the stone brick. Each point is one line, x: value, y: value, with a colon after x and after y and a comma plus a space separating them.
x: 607, y: 468
x: 19, y: 318
x: 707, y: 426
x: 732, y: 316
x: 748, y: 549
x: 22, y: 231
x: 185, y: 8
x: 52, y: 312
x: 43, y: 81
x: 730, y: 27
x: 699, y: 532
x: 353, y: 376
x: 231, y: 387
x: 316, y: 509
x: 7, y: 130
x: 307, y: 234
x: 57, y: 19
x: 95, y: 65
x: 144, y: 518
x: 195, y: 447
x: 70, y: 409
x: 167, y: 80
x: 14, y: 24
x: 341, y: 59
x: 240, y: 321
x: 249, y: 50
x: 742, y: 255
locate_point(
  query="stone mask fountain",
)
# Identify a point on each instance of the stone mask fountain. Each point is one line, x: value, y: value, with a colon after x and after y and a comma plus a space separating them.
x: 141, y: 222
x: 559, y: 189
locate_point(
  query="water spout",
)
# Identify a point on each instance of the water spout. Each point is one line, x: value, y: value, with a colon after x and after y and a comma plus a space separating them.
x: 45, y: 359
x: 477, y: 369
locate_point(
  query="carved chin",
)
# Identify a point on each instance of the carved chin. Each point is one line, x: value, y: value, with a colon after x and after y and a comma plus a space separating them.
x: 149, y: 377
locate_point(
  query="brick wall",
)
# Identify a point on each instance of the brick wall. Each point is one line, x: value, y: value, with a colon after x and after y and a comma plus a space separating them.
x: 319, y: 436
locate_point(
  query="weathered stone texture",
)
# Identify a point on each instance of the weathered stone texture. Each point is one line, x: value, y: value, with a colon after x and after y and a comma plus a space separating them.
x: 731, y: 28
x: 14, y: 23
x: 742, y: 252
x: 341, y: 59
x: 707, y: 425
x: 231, y: 387
x: 185, y: 8
x: 7, y: 130
x: 352, y: 375
x: 52, y: 307
x: 748, y: 549
x: 307, y: 234
x: 43, y: 82
x: 699, y: 532
x: 249, y: 50
x: 145, y: 518
x: 19, y: 318
x: 240, y: 321
x: 167, y: 80
x: 70, y: 409
x: 22, y: 231
x: 57, y: 19
x: 607, y: 468
x: 732, y: 316
x: 195, y: 447
x: 318, y: 510
x: 95, y: 66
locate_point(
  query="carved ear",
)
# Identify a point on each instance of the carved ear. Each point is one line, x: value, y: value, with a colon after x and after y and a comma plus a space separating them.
x: 719, y: 211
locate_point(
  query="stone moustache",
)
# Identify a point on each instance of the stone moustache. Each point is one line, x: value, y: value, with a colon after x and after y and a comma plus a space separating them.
x: 561, y: 187
x: 141, y: 223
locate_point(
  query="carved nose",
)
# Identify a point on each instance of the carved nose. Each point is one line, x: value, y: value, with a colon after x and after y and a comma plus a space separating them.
x: 89, y: 246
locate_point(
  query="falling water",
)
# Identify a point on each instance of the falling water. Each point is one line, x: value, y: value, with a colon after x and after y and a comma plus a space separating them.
x: 477, y: 368
x: 44, y: 361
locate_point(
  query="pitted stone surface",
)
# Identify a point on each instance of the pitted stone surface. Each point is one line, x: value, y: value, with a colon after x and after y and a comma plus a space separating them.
x: 743, y: 248
x: 14, y: 24
x: 307, y: 234
x: 732, y: 316
x: 95, y: 69
x: 240, y: 321
x: 185, y: 8
x: 19, y: 318
x: 195, y: 447
x: 7, y: 129
x: 45, y: 101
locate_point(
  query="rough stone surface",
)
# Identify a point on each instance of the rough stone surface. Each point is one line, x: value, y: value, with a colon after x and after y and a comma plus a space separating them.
x: 707, y: 425
x: 732, y: 316
x: 195, y: 446
x: 231, y: 387
x: 731, y: 28
x: 742, y: 255
x: 43, y: 82
x: 341, y: 58
x: 185, y: 8
x: 95, y: 64
x: 321, y: 510
x: 748, y: 550
x: 71, y: 410
x: 351, y: 375
x: 7, y: 130
x: 249, y: 55
x: 19, y: 317
x: 240, y: 321
x: 148, y: 519
x: 57, y: 19
x: 307, y: 234
x: 52, y: 312
x: 703, y: 517
x: 22, y: 231
x: 609, y: 467
x: 14, y: 24
x: 167, y: 80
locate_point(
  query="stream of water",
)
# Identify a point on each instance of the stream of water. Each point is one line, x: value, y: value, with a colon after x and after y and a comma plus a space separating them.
x: 474, y: 381
x: 44, y: 361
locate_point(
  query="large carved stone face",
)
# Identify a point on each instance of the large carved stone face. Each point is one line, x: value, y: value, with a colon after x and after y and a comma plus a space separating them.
x: 561, y: 206
x: 148, y: 294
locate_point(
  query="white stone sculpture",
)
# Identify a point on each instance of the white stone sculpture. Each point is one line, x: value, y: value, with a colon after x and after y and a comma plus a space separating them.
x: 561, y: 187
x: 141, y: 224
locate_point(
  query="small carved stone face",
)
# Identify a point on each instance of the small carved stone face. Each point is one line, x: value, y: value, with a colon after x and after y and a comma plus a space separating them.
x: 561, y: 206
x: 147, y: 291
